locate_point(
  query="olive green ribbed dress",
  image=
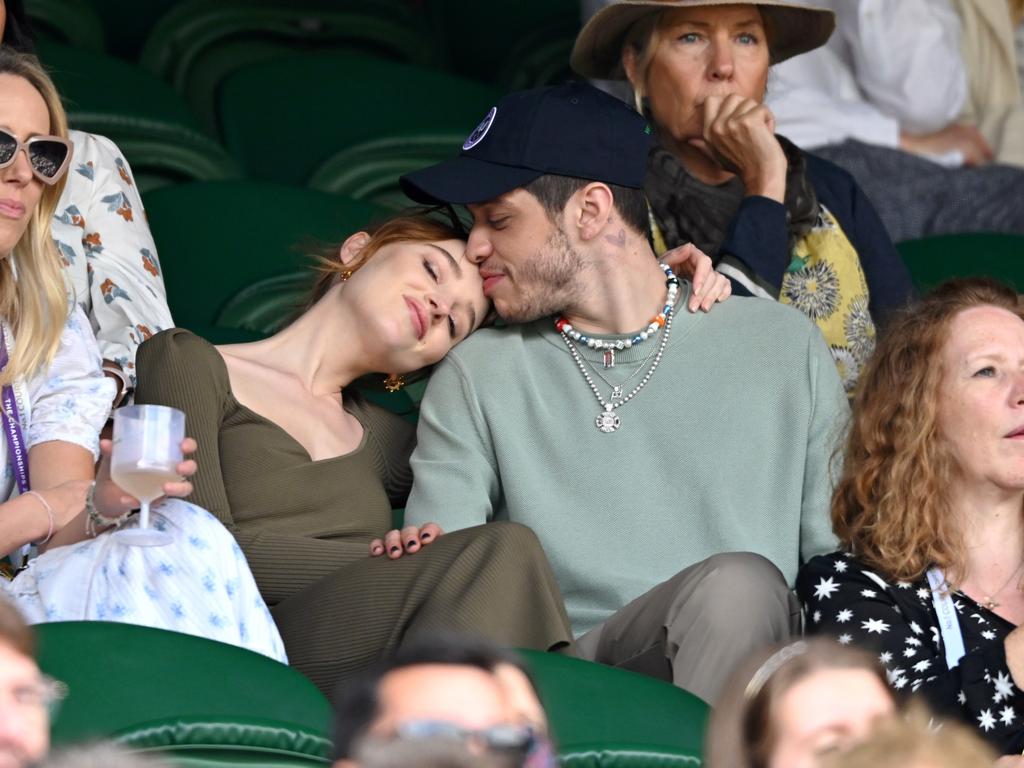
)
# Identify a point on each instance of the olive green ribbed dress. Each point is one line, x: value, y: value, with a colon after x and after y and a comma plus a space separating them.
x: 305, y: 527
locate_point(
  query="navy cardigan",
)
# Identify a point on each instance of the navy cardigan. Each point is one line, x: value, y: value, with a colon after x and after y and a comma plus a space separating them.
x: 758, y: 236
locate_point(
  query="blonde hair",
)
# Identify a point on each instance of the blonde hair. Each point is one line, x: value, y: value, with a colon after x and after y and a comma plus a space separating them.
x: 914, y: 742
x: 35, y: 302
x: 890, y: 507
x: 742, y: 732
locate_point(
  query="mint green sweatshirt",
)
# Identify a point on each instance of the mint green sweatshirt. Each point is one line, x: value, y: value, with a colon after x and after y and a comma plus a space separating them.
x: 728, y: 448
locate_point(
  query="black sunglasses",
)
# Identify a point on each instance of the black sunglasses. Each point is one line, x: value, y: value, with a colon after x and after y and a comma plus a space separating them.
x: 49, y: 156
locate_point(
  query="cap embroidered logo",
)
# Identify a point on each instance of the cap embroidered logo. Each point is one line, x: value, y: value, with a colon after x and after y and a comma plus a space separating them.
x: 481, y: 130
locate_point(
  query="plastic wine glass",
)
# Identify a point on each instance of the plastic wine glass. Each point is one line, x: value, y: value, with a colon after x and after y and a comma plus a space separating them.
x: 146, y: 454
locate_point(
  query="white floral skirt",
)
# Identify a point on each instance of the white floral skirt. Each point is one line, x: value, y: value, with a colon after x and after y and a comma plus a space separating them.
x: 199, y: 583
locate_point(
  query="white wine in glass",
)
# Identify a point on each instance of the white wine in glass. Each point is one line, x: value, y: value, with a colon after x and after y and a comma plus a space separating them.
x: 147, y: 451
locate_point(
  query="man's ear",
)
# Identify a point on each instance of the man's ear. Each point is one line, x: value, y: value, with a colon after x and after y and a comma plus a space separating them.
x: 352, y: 247
x: 595, y: 205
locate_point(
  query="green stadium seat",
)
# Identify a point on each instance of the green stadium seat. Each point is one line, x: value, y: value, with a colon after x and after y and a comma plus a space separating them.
x: 159, y: 136
x: 127, y: 23
x: 217, y: 238
x: 604, y: 717
x: 326, y: 102
x: 932, y: 260
x: 497, y: 41
x: 200, y: 702
x: 370, y: 170
x: 199, y: 43
x: 205, y: 704
x: 72, y: 22
x: 265, y: 306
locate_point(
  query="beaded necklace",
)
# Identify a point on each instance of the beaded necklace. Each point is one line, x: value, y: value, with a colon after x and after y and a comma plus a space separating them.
x: 608, y: 345
x: 607, y: 420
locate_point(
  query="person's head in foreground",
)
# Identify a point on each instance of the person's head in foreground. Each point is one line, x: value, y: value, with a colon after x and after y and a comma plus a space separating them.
x: 914, y: 741
x: 34, y: 157
x: 786, y: 706
x: 26, y: 695
x: 444, y: 688
x: 406, y: 285
x: 551, y: 176
x: 936, y: 446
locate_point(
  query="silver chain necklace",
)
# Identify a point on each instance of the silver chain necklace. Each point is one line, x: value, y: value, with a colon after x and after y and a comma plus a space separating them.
x: 608, y: 421
x: 617, y: 389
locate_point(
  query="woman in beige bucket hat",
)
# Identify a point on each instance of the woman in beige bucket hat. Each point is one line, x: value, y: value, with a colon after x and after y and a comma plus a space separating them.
x: 780, y: 223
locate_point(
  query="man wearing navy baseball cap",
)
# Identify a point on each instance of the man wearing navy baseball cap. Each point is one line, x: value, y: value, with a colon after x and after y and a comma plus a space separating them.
x: 674, y: 464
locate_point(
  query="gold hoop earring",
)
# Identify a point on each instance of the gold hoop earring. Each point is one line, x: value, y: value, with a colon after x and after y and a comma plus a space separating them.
x: 394, y: 382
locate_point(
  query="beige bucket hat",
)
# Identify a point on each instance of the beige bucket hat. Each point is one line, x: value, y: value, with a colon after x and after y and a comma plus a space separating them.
x: 793, y: 28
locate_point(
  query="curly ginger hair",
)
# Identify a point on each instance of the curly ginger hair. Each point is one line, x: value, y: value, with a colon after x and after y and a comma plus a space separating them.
x: 891, y: 504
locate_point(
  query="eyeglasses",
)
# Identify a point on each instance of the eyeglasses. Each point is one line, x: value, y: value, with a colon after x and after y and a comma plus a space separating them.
x: 48, y: 155
x: 46, y: 693
x: 518, y: 740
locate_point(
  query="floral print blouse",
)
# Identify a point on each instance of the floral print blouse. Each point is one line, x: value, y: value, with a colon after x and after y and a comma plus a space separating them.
x: 108, y: 252
x: 845, y: 599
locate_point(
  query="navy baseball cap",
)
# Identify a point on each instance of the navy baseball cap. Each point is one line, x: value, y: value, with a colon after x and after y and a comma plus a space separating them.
x: 566, y: 130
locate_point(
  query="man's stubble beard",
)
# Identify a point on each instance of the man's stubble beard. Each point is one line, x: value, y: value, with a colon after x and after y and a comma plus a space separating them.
x: 547, y: 283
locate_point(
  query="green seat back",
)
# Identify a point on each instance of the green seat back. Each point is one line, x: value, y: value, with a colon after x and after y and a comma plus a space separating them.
x: 127, y: 23
x: 932, y: 260
x: 323, y: 103
x: 604, y: 717
x: 370, y: 170
x: 216, y: 238
x: 265, y: 306
x: 158, y: 135
x: 73, y: 22
x: 199, y: 43
x: 200, y: 701
x: 503, y: 52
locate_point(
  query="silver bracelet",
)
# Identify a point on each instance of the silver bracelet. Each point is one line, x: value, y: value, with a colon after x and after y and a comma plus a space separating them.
x: 94, y: 519
x: 49, y: 513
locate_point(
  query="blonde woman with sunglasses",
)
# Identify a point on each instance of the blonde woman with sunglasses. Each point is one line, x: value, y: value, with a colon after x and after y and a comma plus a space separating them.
x: 54, y: 397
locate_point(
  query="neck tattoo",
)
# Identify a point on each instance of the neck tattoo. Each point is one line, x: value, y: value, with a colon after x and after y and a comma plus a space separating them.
x: 607, y: 420
x: 609, y: 345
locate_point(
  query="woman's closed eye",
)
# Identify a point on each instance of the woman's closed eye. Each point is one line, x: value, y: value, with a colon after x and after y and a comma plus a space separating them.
x: 431, y: 270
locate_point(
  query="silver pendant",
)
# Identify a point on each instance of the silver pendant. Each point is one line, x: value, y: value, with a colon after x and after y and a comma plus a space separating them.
x: 607, y: 421
x: 609, y: 358
x: 616, y: 394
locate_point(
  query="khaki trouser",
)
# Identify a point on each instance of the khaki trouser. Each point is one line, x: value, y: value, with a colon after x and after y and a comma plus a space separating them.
x: 696, y: 627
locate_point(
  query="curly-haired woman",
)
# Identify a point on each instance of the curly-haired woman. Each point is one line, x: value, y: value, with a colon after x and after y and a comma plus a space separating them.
x: 930, y: 510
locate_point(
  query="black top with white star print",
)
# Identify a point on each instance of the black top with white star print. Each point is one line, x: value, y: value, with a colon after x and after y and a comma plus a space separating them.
x: 845, y: 599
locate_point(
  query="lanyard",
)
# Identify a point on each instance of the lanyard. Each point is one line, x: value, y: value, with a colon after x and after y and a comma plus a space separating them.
x: 949, y: 625
x: 16, y: 451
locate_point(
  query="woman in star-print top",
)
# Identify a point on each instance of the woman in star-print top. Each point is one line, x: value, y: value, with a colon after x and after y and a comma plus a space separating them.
x: 932, y: 490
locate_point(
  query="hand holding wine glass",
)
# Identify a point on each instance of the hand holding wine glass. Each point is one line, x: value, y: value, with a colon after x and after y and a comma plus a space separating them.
x: 144, y: 463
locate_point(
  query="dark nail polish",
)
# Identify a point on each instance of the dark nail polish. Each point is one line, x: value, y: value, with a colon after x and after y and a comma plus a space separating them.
x: 412, y: 543
x: 396, y: 549
x: 425, y: 537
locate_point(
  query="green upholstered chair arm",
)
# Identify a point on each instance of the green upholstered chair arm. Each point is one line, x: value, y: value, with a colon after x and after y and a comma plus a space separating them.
x: 161, y: 690
x: 610, y: 755
x: 602, y: 716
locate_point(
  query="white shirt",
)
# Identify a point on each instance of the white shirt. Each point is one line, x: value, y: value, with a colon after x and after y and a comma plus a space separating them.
x: 108, y: 252
x: 891, y: 65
